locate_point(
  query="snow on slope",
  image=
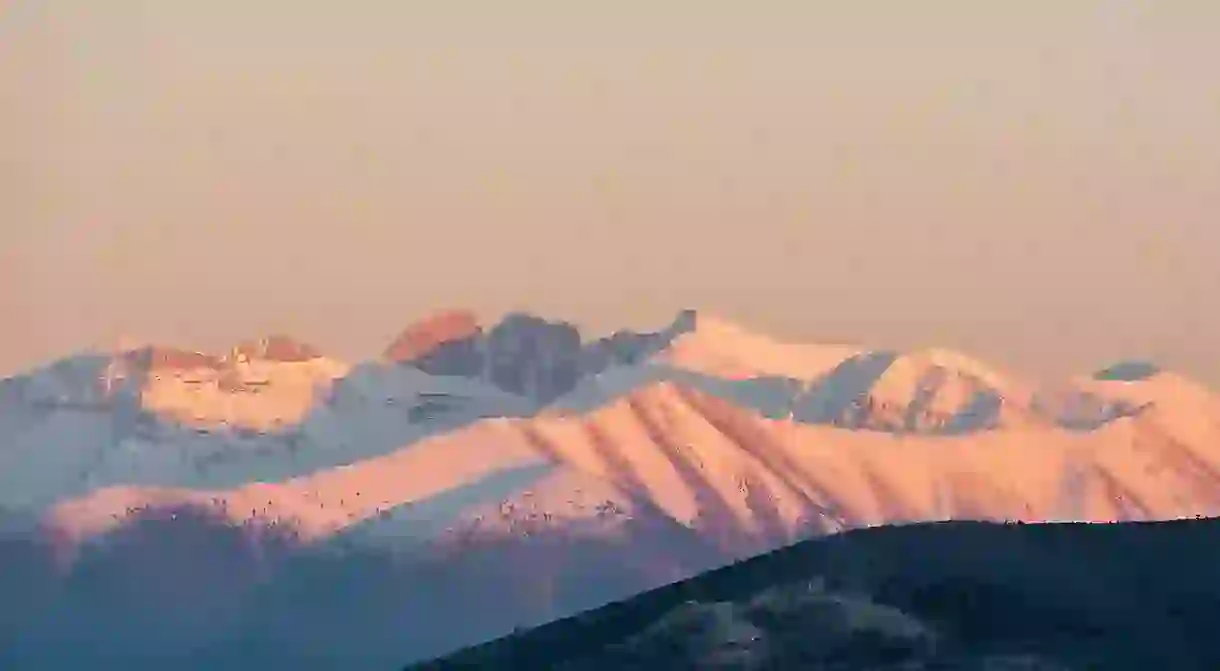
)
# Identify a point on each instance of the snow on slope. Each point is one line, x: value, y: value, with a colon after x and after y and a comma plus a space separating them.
x: 88, y: 423
x: 736, y: 477
x: 253, y: 393
x: 1184, y: 409
x: 933, y: 391
x: 717, y: 347
x: 553, y: 504
x: 276, y: 409
x: 665, y: 454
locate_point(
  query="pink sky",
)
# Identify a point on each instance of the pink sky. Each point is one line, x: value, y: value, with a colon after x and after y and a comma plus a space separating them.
x: 1037, y: 183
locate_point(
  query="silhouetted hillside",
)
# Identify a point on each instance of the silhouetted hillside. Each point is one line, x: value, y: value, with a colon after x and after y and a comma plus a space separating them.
x: 958, y: 595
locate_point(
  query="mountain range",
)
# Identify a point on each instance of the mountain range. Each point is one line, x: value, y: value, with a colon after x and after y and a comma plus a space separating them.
x: 273, y: 505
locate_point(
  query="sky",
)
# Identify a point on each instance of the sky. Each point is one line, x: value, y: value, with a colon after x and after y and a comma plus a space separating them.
x: 1035, y: 183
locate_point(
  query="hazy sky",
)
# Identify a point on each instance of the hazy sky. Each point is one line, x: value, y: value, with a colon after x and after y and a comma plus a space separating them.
x: 1036, y: 182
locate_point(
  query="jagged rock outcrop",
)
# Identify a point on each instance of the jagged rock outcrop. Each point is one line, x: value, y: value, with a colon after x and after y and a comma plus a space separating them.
x: 156, y: 359
x: 523, y: 354
x: 279, y: 348
x: 446, y: 336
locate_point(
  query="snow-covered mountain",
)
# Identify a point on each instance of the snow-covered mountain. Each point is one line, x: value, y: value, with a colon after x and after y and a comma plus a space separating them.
x: 474, y: 479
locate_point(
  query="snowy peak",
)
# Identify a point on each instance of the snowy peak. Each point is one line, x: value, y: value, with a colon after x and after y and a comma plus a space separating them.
x: 942, y: 391
x: 277, y: 382
x: 259, y: 384
x: 924, y: 391
x: 888, y: 391
x: 928, y: 391
x: 712, y: 345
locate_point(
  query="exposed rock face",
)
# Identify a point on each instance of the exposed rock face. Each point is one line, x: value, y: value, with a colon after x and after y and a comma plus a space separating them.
x: 277, y: 348
x: 628, y: 347
x: 169, y: 359
x: 533, y: 357
x: 426, y: 337
x: 523, y: 354
x: 1128, y: 371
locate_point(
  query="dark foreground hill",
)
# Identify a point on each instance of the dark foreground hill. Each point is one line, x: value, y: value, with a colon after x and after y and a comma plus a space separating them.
x: 957, y: 595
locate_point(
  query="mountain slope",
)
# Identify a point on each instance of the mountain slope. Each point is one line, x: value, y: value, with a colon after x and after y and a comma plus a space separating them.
x: 529, y: 519
x: 524, y: 471
x: 953, y: 595
x: 732, y: 473
x: 275, y: 408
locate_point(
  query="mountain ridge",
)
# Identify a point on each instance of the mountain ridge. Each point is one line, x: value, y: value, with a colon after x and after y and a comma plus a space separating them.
x: 692, y: 342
